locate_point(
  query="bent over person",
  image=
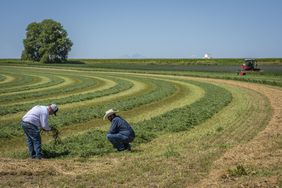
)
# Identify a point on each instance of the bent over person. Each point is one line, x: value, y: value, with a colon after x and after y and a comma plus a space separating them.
x: 120, y: 133
x: 32, y: 122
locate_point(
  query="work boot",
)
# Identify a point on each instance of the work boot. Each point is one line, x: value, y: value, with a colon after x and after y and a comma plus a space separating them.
x: 127, y: 146
x: 121, y: 149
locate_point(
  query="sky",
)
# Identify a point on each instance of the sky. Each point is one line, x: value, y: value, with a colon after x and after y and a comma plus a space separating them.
x: 151, y: 28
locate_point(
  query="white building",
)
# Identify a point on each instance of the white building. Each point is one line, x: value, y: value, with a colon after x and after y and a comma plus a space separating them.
x: 206, y: 56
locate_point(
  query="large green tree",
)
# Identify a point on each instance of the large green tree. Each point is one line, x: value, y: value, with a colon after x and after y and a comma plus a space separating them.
x: 47, y: 42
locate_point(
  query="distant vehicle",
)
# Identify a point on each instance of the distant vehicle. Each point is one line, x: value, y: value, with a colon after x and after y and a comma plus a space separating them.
x: 250, y: 65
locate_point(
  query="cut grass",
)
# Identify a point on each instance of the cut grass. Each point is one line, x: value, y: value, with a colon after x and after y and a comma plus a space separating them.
x: 185, y: 94
x: 97, y: 84
x: 37, y: 80
x: 28, y: 80
x: 86, y: 113
x: 181, y: 119
x: 172, y: 159
x: 39, y: 92
x: 150, y: 166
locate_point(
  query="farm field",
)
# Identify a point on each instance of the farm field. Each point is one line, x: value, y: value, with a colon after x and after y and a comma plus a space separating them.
x: 194, y: 128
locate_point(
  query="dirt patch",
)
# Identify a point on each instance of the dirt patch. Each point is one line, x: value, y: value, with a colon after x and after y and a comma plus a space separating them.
x: 37, y: 173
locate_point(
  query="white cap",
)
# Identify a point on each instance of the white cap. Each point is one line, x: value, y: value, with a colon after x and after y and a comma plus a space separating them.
x: 54, y: 108
x: 109, y: 112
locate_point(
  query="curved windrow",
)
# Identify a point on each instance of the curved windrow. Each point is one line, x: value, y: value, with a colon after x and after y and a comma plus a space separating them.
x: 236, y: 124
x: 36, y: 82
x: 62, y: 82
x: 17, y: 81
x: 155, y: 105
x: 85, y: 110
x: 72, y: 101
x: 3, y: 78
x: 78, y: 92
x: 180, y: 119
x: 183, y: 124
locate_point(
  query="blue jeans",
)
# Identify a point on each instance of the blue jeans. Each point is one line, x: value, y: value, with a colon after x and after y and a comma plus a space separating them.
x: 32, y: 133
x: 119, y: 141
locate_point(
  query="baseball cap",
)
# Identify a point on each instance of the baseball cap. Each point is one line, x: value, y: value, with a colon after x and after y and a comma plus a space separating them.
x: 54, y: 108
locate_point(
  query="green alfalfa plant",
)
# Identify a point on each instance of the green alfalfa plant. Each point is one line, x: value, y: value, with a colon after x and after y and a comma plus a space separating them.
x: 56, y: 135
x: 171, y: 151
x: 238, y: 171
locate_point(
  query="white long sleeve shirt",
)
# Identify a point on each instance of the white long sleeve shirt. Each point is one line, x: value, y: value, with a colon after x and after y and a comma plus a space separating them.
x: 38, y: 116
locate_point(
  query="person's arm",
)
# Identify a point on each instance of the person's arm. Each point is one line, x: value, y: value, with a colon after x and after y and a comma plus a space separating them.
x: 114, y: 127
x: 44, y: 122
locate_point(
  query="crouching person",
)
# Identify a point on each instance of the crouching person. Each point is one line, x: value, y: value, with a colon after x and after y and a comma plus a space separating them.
x: 120, y: 133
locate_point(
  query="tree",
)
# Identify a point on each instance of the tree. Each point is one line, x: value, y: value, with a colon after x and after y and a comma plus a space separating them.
x: 47, y: 42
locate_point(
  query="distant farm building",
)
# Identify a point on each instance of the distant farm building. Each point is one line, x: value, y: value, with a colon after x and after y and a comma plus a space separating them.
x: 206, y: 56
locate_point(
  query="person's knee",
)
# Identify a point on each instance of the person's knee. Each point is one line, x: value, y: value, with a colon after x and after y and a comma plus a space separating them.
x: 130, y: 139
x: 110, y: 137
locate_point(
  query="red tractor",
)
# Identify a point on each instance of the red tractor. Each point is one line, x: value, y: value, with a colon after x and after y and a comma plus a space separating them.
x: 250, y: 65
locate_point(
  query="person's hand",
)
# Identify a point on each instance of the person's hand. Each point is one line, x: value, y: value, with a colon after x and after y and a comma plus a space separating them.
x: 47, y: 131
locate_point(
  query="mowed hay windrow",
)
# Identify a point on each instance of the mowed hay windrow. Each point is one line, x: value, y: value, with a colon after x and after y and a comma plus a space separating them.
x: 96, y: 85
x: 35, y: 81
x: 88, y: 103
x: 50, y: 82
x: 100, y: 100
x: 173, y: 155
x: 71, y: 95
x: 6, y: 78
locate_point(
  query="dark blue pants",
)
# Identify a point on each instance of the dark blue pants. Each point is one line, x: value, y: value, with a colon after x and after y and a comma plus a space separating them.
x: 119, y: 141
x: 33, y: 137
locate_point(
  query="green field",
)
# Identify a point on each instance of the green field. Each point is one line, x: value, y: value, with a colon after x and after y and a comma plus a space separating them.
x: 190, y: 125
x: 180, y: 61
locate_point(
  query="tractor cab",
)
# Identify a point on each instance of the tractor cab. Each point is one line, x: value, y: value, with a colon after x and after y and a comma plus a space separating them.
x: 250, y: 65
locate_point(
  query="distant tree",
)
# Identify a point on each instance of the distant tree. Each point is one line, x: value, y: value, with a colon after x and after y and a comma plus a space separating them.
x: 46, y: 42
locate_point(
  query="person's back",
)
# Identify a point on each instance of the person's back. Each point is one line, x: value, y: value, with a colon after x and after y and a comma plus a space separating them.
x: 121, y: 126
x: 38, y: 116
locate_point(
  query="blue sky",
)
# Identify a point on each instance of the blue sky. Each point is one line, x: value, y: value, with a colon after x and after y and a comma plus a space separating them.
x: 151, y: 28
